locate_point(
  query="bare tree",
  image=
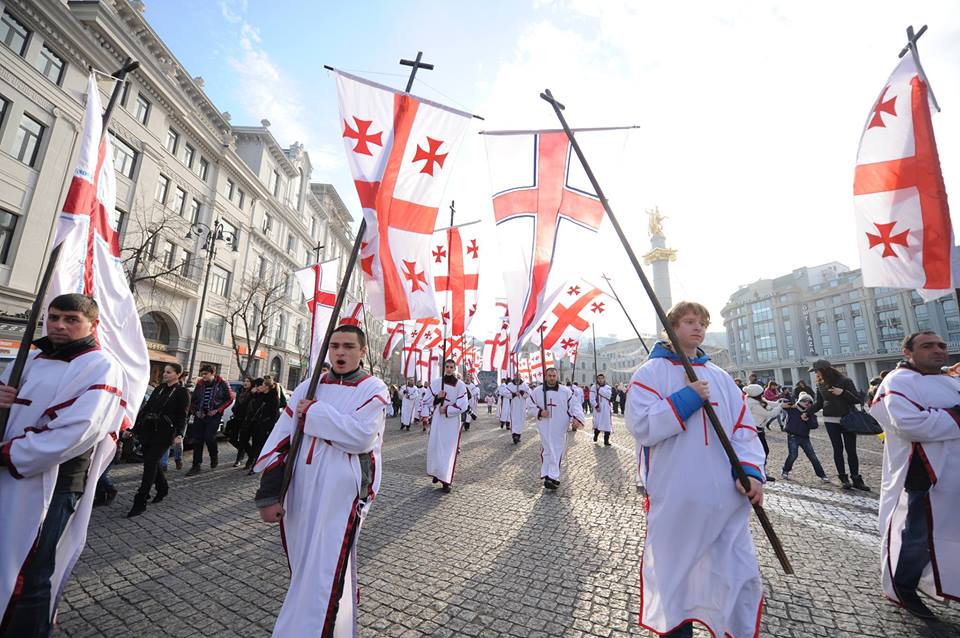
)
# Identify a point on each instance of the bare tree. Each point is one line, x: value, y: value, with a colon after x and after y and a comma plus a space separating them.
x: 249, y: 315
x: 153, y: 223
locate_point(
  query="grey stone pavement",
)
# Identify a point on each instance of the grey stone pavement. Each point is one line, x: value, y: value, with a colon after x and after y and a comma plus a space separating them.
x: 496, y: 557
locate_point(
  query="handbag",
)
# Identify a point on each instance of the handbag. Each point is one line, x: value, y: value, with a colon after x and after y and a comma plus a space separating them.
x: 858, y: 421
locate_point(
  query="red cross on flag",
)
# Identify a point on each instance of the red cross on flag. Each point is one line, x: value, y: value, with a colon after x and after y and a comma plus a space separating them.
x: 89, y: 259
x: 575, y: 306
x: 319, y: 285
x: 903, y: 221
x: 428, y: 365
x: 538, y: 367
x: 547, y: 218
x: 496, y: 348
x: 395, y: 336
x: 400, y: 150
x: 523, y: 368
x: 455, y: 256
x: 416, y: 341
x: 354, y: 316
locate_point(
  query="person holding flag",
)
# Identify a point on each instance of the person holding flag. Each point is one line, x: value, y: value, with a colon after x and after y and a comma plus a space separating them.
x: 600, y: 396
x: 504, y: 396
x: 554, y: 408
x: 410, y: 404
x: 519, y: 391
x: 447, y: 400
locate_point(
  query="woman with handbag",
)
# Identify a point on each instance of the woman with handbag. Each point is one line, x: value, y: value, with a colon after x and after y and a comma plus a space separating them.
x: 837, y: 396
x: 240, y: 407
x: 160, y: 422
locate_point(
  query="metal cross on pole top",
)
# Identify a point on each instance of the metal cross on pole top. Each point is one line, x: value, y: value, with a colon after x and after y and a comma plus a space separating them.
x: 911, y: 46
x: 416, y: 64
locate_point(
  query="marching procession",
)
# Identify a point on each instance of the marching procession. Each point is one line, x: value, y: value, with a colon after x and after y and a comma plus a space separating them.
x: 717, y: 551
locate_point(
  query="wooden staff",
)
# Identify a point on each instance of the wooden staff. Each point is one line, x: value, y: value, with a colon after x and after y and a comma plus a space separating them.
x: 672, y: 335
x: 627, y: 315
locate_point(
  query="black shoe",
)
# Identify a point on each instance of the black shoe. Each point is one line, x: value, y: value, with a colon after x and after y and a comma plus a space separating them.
x: 159, y: 497
x: 178, y: 463
x: 845, y: 482
x: 912, y: 603
x: 549, y: 484
x: 251, y: 472
x: 859, y: 484
x: 436, y: 480
x: 213, y: 464
x: 770, y: 479
x: 111, y: 494
x: 446, y: 488
x: 139, y: 507
x: 193, y: 471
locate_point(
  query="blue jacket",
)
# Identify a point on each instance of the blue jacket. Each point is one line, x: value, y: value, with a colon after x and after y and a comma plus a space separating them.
x: 796, y: 425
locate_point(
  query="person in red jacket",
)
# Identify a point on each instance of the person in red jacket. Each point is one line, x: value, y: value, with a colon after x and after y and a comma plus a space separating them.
x: 210, y: 398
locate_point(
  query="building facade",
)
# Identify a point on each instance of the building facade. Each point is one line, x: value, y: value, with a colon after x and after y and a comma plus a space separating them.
x: 777, y: 327
x: 199, y: 199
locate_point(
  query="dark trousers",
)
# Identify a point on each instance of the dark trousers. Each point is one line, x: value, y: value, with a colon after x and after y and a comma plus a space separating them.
x: 153, y: 474
x: 31, y: 612
x: 683, y: 631
x: 204, y: 431
x: 914, y: 547
x: 795, y: 443
x: 841, y: 440
x: 260, y: 435
x: 245, y: 444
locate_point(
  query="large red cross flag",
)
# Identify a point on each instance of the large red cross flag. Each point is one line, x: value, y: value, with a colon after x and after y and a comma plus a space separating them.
x: 455, y: 255
x: 903, y: 221
x: 523, y: 368
x: 400, y: 150
x: 416, y: 340
x: 496, y: 348
x: 319, y: 285
x: 575, y: 306
x: 395, y: 336
x: 353, y: 316
x: 547, y: 218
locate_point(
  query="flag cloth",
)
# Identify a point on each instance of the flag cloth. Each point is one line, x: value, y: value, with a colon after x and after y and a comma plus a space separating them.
x: 354, y: 316
x: 423, y: 332
x: 400, y: 150
x: 396, y: 333
x: 319, y: 285
x: 455, y: 259
x: 903, y: 222
x: 577, y: 305
x: 496, y: 348
x: 523, y: 368
x: 547, y: 217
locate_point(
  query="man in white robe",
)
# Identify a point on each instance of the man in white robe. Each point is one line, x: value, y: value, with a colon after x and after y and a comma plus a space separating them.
x: 473, y: 400
x: 553, y: 419
x: 519, y: 395
x: 917, y: 406
x: 60, y: 436
x: 600, y: 396
x: 409, y: 404
x: 699, y: 563
x: 503, y: 408
x: 424, y: 409
x: 447, y: 398
x: 336, y: 477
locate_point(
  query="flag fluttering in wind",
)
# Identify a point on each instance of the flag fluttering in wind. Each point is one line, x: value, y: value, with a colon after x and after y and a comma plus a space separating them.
x: 577, y: 305
x: 319, y: 285
x: 904, y: 232
x: 401, y: 150
x: 455, y: 256
x: 395, y: 336
x: 353, y: 316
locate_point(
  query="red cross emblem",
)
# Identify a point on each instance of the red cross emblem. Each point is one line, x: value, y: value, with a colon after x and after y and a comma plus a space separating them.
x: 360, y: 134
x: 430, y: 155
x: 548, y: 200
x: 882, y: 107
x: 597, y: 307
x: 573, y: 290
x: 568, y: 343
x: 473, y: 249
x: 887, y: 238
x: 366, y: 263
x: 569, y: 318
x: 415, y: 278
x: 438, y: 254
x: 473, y: 309
x: 456, y: 281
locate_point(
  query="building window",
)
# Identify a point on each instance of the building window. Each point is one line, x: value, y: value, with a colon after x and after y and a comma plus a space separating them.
x: 13, y: 34
x: 261, y: 266
x: 8, y: 226
x: 299, y: 189
x: 194, y: 212
x: 231, y: 187
x: 267, y: 222
x: 173, y: 138
x: 167, y: 251
x: 186, y: 264
x: 240, y: 198
x: 188, y: 154
x: 163, y: 186
x: 281, y: 328
x: 220, y: 281
x: 124, y: 156
x: 50, y: 65
x: 141, y: 110
x: 890, y: 330
x: 922, y: 314
x: 274, y: 185
x: 203, y: 168
x: 214, y: 328
x: 27, y: 144
x: 179, y: 201
x: 887, y: 302
x: 950, y: 315
x: 291, y: 243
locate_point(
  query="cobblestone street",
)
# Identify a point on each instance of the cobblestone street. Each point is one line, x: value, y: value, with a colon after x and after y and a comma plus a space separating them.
x: 498, y: 556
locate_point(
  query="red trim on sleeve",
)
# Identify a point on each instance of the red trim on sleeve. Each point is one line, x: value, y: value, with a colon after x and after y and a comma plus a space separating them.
x: 284, y: 441
x: 288, y: 411
x: 5, y: 452
x: 313, y: 444
x: 676, y: 414
x: 376, y: 396
x: 647, y: 388
x: 756, y: 467
x: 899, y: 394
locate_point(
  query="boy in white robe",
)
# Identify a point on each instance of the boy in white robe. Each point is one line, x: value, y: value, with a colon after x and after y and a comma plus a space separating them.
x: 60, y: 436
x: 917, y: 406
x: 447, y: 398
x: 409, y: 404
x: 335, y: 479
x: 503, y: 405
x: 699, y: 563
x: 553, y: 419
x: 600, y: 395
x: 424, y: 408
x: 473, y: 400
x: 519, y: 393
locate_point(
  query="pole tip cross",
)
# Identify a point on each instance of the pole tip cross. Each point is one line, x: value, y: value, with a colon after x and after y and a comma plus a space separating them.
x: 548, y: 96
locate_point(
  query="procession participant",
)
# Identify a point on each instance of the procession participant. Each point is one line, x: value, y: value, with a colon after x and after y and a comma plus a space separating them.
x: 600, y: 396
x: 410, y: 406
x: 447, y: 398
x: 161, y: 420
x: 424, y: 409
x: 587, y: 404
x: 211, y: 396
x: 552, y: 421
x: 917, y: 405
x: 578, y: 393
x: 519, y: 393
x: 503, y: 398
x: 473, y: 401
x: 337, y: 477
x: 63, y: 420
x: 697, y: 518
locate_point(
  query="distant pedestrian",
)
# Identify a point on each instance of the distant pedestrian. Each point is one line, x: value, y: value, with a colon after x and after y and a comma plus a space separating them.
x: 801, y: 418
x: 210, y: 398
x: 772, y: 391
x: 836, y: 396
x: 238, y: 418
x: 263, y: 416
x: 764, y: 413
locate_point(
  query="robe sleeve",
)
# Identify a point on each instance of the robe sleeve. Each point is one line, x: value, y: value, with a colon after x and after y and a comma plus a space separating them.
x: 534, y: 407
x: 652, y: 417
x: 575, y: 408
x: 351, y: 429
x: 459, y: 405
x: 75, y: 425
x: 896, y: 408
x: 426, y: 404
x: 743, y: 436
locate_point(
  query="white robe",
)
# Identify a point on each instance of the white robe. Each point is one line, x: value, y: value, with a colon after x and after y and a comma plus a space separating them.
x: 518, y: 405
x: 474, y: 396
x: 563, y: 406
x: 410, y: 404
x: 699, y: 562
x: 503, y: 409
x: 327, y: 501
x: 602, y: 408
x: 88, y: 402
x: 910, y: 407
x: 426, y: 402
x: 443, y: 444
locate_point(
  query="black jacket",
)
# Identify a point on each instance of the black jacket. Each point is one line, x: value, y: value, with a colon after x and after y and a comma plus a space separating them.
x: 833, y: 405
x: 164, y: 414
x: 263, y: 410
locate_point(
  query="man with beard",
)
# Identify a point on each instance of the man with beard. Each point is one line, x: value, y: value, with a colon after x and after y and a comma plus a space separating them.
x: 553, y: 418
x: 447, y: 397
x: 600, y: 398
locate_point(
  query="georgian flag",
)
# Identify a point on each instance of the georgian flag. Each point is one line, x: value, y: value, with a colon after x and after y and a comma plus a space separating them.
x: 354, y: 316
x: 573, y: 309
x: 395, y: 336
x: 455, y: 256
x: 319, y: 285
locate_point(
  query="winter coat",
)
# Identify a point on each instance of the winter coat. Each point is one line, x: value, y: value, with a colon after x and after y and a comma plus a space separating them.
x: 796, y: 425
x: 762, y: 414
x: 837, y: 406
x: 164, y: 415
x: 221, y: 399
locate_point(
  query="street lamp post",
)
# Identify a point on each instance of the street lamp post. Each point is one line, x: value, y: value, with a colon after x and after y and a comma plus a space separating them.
x: 214, y: 234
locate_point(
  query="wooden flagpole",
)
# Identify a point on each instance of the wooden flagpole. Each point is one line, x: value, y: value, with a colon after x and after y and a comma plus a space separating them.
x: 543, y: 365
x: 626, y: 314
x: 672, y: 335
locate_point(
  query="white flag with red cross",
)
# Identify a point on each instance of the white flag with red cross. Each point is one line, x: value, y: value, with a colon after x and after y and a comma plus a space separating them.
x: 401, y: 150
x: 420, y: 337
x: 547, y: 217
x: 455, y: 256
x: 352, y: 315
x: 429, y: 365
x: 903, y: 222
x: 577, y: 305
x: 395, y: 336
x: 319, y: 285
x: 523, y: 368
x: 496, y: 349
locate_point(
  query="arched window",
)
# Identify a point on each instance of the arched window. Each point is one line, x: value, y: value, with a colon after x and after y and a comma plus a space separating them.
x: 275, y: 367
x: 155, y: 328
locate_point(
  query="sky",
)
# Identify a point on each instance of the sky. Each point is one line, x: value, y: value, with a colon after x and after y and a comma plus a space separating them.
x: 749, y: 112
